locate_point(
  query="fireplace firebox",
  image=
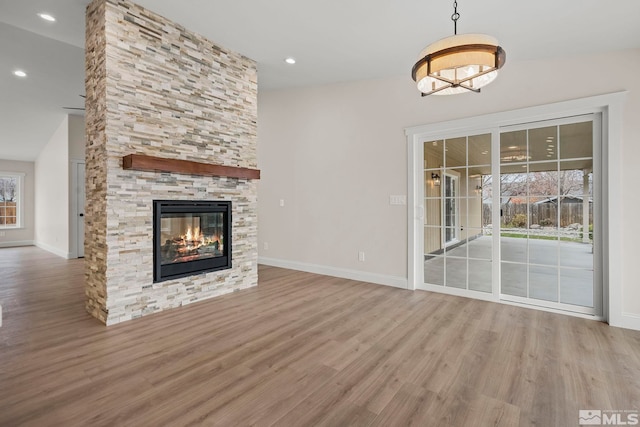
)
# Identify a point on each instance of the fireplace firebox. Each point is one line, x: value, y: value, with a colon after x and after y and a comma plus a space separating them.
x: 190, y: 237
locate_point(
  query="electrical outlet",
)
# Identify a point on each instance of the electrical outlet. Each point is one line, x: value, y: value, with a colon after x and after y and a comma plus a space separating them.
x: 1, y: 233
x: 265, y: 246
x: 281, y: 202
x: 361, y: 256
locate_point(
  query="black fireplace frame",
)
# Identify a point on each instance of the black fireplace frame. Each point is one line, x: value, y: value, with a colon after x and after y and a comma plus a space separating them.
x: 161, y: 272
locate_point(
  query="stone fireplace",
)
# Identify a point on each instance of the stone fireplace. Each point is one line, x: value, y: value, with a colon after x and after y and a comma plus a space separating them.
x: 157, y: 90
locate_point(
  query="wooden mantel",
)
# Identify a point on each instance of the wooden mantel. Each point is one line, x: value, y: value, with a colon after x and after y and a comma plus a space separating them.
x: 158, y: 164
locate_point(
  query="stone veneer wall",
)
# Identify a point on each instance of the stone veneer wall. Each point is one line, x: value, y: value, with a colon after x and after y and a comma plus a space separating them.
x: 155, y: 88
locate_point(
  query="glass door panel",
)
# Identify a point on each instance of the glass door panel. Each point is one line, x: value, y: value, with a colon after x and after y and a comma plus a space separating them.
x: 457, y: 218
x: 546, y: 221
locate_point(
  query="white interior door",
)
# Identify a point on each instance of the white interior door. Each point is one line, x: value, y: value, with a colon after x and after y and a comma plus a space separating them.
x: 80, y: 199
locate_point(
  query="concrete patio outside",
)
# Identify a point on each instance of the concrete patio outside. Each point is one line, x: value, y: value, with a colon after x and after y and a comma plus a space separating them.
x: 558, y: 271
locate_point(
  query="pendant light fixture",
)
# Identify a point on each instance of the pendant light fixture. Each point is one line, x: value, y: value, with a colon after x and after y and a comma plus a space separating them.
x: 458, y: 64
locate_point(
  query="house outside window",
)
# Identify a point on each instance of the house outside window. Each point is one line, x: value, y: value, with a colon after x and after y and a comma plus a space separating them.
x: 11, y: 185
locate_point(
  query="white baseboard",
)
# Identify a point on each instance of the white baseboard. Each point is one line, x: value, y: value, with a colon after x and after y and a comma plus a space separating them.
x: 53, y: 250
x: 16, y: 243
x: 627, y: 321
x: 362, y: 276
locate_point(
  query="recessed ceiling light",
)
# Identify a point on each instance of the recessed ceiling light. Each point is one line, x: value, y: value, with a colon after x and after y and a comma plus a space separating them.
x: 290, y: 61
x: 512, y: 147
x: 19, y: 73
x: 47, y: 17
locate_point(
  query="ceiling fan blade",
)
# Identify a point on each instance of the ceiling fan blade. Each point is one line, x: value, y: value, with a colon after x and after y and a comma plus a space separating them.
x: 73, y: 108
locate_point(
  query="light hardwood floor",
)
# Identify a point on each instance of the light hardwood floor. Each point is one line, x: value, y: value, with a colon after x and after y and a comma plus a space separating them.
x: 299, y: 350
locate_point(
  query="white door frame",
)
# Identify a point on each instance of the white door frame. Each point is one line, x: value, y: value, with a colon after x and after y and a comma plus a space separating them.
x: 611, y: 108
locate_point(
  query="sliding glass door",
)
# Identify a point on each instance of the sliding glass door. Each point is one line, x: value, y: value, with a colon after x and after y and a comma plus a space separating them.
x: 513, y: 214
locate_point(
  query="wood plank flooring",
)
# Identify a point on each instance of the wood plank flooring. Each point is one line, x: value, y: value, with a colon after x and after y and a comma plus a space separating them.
x: 299, y: 350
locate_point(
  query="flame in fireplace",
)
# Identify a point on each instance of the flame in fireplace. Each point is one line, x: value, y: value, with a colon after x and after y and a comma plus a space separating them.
x: 194, y: 239
x: 196, y: 235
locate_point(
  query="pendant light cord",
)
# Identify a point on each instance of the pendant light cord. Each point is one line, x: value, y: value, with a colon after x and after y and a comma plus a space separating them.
x: 455, y: 17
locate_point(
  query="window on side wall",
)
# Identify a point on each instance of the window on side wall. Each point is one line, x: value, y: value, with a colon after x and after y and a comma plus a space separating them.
x: 11, y: 185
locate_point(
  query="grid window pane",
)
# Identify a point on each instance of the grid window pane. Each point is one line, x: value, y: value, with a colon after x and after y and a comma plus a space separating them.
x: 434, y: 270
x: 455, y: 152
x: 543, y: 283
x: 432, y: 240
x: 514, y: 279
x: 479, y: 150
x: 543, y: 144
x: 543, y: 182
x: 456, y: 272
x: 433, y: 154
x: 543, y: 249
x: 480, y: 245
x: 576, y: 140
x: 576, y: 287
x: 432, y: 187
x: 513, y: 247
x: 432, y: 212
x: 480, y: 275
x: 513, y: 147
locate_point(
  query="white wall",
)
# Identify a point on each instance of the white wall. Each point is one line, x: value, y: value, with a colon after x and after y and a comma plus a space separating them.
x: 55, y: 226
x: 335, y: 153
x: 52, y: 193
x: 23, y: 235
x: 76, y: 137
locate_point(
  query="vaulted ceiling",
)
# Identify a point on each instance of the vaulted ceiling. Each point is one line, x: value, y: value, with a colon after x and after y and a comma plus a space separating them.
x: 331, y: 40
